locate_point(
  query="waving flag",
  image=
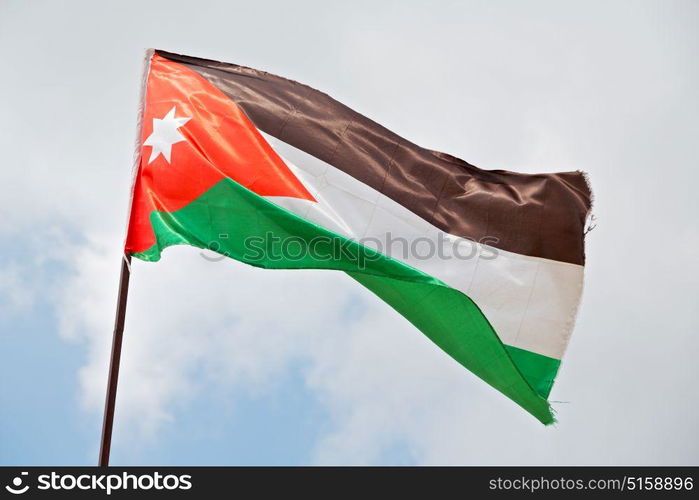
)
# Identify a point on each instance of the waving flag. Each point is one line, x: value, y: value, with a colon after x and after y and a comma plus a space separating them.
x: 487, y: 264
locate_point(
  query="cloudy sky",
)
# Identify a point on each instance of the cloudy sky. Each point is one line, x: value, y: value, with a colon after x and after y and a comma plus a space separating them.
x: 226, y: 364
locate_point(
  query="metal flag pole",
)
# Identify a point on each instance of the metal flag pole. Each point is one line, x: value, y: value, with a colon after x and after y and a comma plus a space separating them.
x: 117, y: 339
x: 108, y: 422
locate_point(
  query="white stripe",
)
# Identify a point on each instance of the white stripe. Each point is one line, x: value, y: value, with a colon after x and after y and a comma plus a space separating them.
x: 530, y: 302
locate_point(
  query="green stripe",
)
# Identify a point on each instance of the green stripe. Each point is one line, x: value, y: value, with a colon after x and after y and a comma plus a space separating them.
x: 539, y: 370
x: 228, y: 217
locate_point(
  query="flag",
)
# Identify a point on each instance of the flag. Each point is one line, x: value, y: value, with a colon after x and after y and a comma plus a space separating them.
x: 486, y: 263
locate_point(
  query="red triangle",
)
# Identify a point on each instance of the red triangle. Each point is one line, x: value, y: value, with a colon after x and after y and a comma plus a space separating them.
x: 220, y: 142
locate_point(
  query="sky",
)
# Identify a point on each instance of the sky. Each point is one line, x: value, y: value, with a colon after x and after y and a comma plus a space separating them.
x: 228, y: 364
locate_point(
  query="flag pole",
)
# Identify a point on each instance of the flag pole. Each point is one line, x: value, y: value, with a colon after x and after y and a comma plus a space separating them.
x: 110, y: 400
x: 117, y: 338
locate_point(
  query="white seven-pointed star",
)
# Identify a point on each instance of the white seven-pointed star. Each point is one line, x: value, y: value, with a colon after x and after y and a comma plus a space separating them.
x: 165, y: 134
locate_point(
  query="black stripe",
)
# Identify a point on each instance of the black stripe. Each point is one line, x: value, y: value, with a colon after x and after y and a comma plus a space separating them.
x: 541, y: 215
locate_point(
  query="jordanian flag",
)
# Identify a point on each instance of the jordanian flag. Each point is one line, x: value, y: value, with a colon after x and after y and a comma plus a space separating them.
x: 487, y: 263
